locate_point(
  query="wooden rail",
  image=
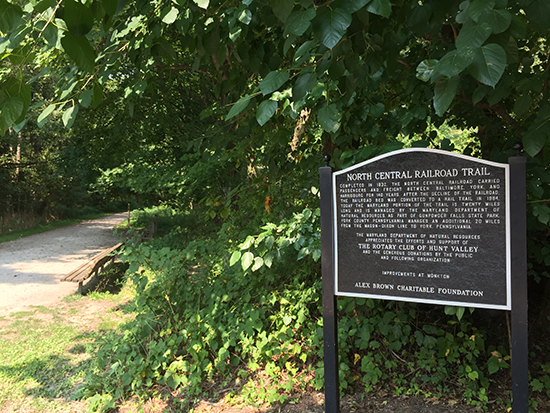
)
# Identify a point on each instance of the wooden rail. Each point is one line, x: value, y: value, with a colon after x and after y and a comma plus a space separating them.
x: 92, y: 267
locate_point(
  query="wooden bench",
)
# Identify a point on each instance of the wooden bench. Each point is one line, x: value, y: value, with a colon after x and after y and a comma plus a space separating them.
x: 92, y: 267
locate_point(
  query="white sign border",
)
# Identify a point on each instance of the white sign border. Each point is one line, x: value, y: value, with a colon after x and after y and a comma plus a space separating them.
x: 505, y: 166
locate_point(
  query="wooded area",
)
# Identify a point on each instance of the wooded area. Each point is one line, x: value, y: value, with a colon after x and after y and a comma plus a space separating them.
x: 218, y: 114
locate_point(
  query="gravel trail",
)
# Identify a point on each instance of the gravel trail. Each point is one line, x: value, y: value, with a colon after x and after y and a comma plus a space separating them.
x: 31, y: 267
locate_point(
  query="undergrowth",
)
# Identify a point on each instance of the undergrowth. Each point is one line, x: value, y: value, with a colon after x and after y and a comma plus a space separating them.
x: 219, y: 313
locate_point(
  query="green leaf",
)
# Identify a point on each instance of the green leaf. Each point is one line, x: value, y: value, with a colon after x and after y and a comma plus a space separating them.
x: 10, y: 16
x: 44, y: 115
x: 245, y: 17
x: 273, y: 81
x: 329, y: 118
x: 538, y: 133
x: 265, y: 111
x: 78, y: 17
x: 380, y: 7
x: 235, y: 257
x: 299, y: 21
x: 10, y: 110
x: 425, y: 69
x: 522, y: 105
x: 85, y: 98
x: 80, y: 50
x: 69, y: 116
x: 171, y: 16
x: 445, y: 91
x: 110, y: 7
x: 537, y: 14
x: 258, y: 263
x: 480, y: 93
x: 282, y: 9
x: 488, y: 64
x: 542, y: 212
x: 351, y: 6
x: 203, y: 4
x: 238, y: 107
x: 331, y: 25
x: 478, y: 7
x: 453, y: 63
x: 97, y: 95
x: 472, y: 36
x: 246, y: 260
x: 287, y: 319
x: 303, y: 85
x: 498, y: 20
x: 268, y: 260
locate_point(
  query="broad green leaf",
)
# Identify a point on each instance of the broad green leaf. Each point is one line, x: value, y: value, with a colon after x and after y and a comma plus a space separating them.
x: 538, y: 133
x: 302, y: 54
x: 268, y: 260
x: 110, y: 7
x: 472, y: 35
x: 19, y: 127
x: 425, y: 69
x: 380, y: 7
x: 299, y: 21
x: 171, y: 16
x: 203, y: 4
x: 538, y: 13
x: 522, y: 105
x: 80, y: 50
x: 69, y: 116
x: 331, y: 25
x: 478, y: 7
x: 97, y: 95
x: 265, y: 111
x: 329, y: 118
x: 258, y: 263
x: 235, y: 32
x: 10, y: 16
x: 10, y: 109
x: 53, y: 34
x: 245, y: 17
x: 246, y: 260
x: 351, y: 6
x: 498, y: 20
x: 273, y: 81
x: 235, y: 257
x: 462, y: 15
x: 542, y: 212
x: 238, y: 107
x: 488, y: 64
x: 282, y: 8
x: 480, y: 92
x: 445, y: 91
x: 453, y: 63
x: 78, y: 17
x: 44, y: 115
x: 43, y: 5
x: 303, y: 85
x: 85, y: 98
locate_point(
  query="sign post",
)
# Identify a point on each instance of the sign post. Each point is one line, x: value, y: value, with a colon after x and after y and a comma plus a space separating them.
x: 426, y: 226
x: 520, y: 370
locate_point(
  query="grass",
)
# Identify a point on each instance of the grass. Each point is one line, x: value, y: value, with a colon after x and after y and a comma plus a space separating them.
x: 46, y: 353
x: 16, y: 234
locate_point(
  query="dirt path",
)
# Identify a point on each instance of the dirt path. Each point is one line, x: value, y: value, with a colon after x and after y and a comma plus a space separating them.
x: 31, y: 267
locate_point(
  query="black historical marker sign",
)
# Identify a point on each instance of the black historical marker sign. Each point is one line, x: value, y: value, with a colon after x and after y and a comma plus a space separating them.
x: 425, y: 226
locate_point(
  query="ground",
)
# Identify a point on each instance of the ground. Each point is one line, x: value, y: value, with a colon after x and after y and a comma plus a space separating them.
x: 30, y: 289
x: 31, y: 267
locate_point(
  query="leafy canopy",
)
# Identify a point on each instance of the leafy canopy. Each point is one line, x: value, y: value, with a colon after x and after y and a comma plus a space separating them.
x: 368, y: 68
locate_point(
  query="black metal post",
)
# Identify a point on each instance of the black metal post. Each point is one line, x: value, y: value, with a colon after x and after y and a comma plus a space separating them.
x: 330, y: 326
x: 518, y: 230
